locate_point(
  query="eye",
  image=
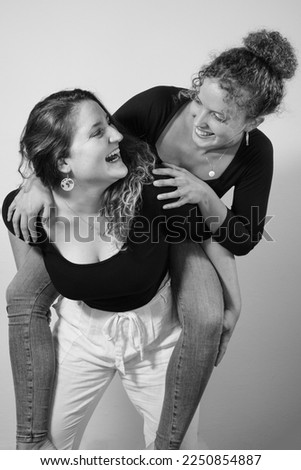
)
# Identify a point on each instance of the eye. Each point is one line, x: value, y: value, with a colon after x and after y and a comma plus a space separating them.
x: 218, y: 117
x: 98, y: 133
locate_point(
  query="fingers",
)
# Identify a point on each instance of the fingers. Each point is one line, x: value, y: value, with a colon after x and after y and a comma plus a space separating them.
x: 171, y: 195
x: 11, y: 210
x: 171, y: 171
x: 168, y: 182
x: 31, y: 224
x: 16, y: 216
x: 45, y: 214
x: 172, y: 205
x: 225, y: 338
x: 221, y: 351
x: 24, y: 227
x: 223, y: 347
x: 219, y: 358
x: 172, y: 165
x: 188, y: 190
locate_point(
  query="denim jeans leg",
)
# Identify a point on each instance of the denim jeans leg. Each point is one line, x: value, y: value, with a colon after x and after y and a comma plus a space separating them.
x: 29, y: 296
x: 199, y: 299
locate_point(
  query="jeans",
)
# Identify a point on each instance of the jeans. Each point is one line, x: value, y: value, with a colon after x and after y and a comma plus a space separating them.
x: 29, y: 297
x: 199, y: 301
x: 93, y: 345
x: 198, y: 297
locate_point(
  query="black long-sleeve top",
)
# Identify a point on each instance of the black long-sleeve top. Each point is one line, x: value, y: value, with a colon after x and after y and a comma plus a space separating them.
x: 147, y: 114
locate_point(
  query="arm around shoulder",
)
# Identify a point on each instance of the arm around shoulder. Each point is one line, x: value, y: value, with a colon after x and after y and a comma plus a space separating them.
x: 32, y: 200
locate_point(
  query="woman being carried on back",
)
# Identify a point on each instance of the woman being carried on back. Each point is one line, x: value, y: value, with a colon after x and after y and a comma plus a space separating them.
x: 105, y: 246
x: 209, y: 136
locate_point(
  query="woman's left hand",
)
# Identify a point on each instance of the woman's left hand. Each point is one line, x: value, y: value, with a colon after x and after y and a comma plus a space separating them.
x: 190, y: 189
x: 230, y: 320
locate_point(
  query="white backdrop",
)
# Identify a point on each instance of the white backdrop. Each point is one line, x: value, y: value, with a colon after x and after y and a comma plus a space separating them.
x: 118, y: 48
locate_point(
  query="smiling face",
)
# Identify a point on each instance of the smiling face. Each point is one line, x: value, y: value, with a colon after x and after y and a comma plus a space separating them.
x: 94, y: 152
x: 217, y: 121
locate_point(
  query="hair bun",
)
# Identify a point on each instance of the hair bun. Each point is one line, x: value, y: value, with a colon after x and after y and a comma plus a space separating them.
x: 275, y: 50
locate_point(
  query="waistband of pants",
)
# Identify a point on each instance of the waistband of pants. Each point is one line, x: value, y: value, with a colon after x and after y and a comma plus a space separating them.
x: 142, y: 325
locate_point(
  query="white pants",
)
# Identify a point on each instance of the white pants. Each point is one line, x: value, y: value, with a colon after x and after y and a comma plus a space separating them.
x: 91, y: 345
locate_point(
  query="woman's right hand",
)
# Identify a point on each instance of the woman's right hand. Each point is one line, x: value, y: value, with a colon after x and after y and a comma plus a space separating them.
x: 34, y: 199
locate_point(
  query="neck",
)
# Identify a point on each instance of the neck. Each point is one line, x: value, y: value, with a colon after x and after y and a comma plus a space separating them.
x: 84, y: 200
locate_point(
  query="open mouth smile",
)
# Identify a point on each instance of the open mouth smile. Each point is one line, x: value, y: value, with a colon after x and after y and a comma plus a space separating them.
x: 113, y: 156
x: 203, y: 134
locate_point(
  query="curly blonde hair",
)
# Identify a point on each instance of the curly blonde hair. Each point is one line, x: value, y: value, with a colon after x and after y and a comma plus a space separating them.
x: 122, y: 200
x: 259, y: 68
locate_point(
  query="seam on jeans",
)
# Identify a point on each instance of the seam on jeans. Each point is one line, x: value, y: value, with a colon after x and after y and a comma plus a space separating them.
x: 29, y: 380
x: 30, y: 376
x: 31, y: 358
x: 41, y: 292
x: 177, y: 379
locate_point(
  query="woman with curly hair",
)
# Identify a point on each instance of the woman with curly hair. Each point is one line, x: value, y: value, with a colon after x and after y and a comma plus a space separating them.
x: 106, y: 247
x: 208, y: 139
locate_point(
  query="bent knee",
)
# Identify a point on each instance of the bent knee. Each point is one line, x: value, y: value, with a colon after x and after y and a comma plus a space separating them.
x: 12, y: 291
x: 201, y: 310
x: 17, y: 291
x: 20, y: 300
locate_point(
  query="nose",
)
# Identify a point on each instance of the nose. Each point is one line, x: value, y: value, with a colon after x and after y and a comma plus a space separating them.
x: 200, y: 119
x: 200, y: 116
x: 115, y: 135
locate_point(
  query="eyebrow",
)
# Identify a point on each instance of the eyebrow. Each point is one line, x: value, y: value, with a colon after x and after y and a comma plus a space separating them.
x: 222, y: 113
x: 96, y: 124
x: 100, y: 123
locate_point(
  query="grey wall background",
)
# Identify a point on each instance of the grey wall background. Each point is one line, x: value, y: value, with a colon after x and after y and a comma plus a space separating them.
x: 117, y: 49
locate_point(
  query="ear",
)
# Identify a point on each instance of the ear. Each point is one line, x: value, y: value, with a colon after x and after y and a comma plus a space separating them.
x: 63, y: 165
x: 253, y: 123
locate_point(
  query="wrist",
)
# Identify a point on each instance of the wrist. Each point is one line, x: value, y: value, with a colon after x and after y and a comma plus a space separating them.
x: 31, y: 181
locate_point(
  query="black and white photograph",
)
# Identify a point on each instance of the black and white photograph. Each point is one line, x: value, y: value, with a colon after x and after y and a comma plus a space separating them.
x: 150, y: 255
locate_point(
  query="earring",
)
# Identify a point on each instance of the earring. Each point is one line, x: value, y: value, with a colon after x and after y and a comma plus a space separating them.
x: 247, y: 138
x: 67, y: 184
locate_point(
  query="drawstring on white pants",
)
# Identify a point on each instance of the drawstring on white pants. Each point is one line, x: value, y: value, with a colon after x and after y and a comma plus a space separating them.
x: 112, y: 331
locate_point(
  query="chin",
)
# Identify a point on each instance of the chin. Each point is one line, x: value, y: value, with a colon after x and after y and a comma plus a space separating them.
x: 202, y: 145
x: 121, y: 173
x: 125, y: 170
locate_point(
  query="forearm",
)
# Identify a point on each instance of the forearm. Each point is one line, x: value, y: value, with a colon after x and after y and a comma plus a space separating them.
x: 237, y: 233
x: 239, y: 229
x: 225, y: 265
x: 212, y: 208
